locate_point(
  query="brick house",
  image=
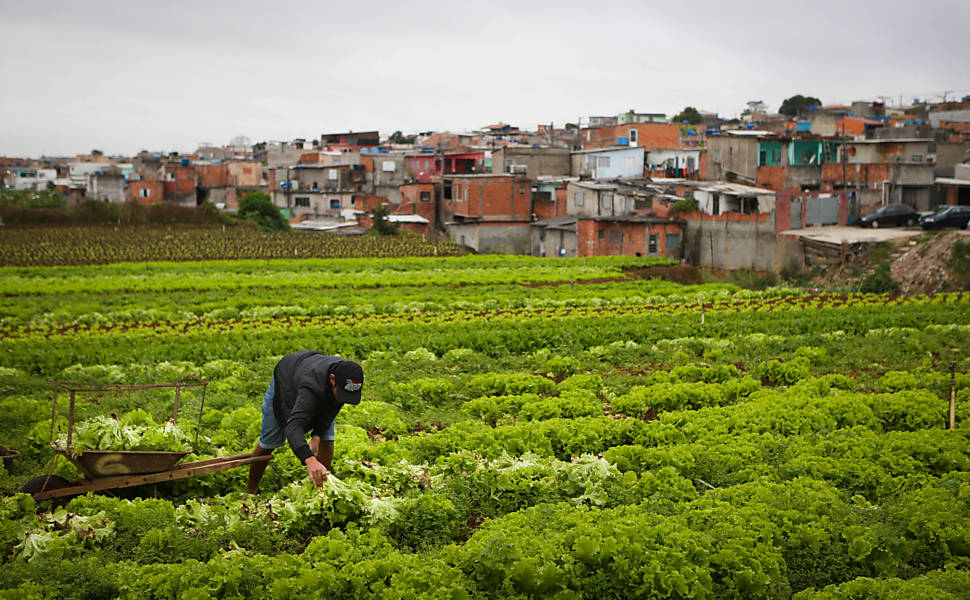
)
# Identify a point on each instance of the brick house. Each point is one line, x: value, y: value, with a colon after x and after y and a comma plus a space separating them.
x: 602, y: 219
x: 146, y: 191
x: 317, y: 191
x: 424, y: 166
x: 549, y: 196
x: 419, y: 199
x: 633, y: 235
x: 650, y: 136
x: 488, y: 212
x: 878, y: 171
x: 179, y: 179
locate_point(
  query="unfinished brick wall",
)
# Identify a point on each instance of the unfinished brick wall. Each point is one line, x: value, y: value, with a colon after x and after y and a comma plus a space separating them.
x: 506, y: 197
x: 209, y: 176
x: 137, y: 191
x: 650, y: 136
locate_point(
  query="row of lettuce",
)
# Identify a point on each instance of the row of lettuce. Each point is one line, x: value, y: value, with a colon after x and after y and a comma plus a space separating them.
x: 316, y: 274
x: 741, y: 446
x: 737, y: 490
x: 34, y: 247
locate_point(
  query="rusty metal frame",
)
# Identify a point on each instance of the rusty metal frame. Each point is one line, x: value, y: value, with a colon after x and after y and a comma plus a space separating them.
x: 93, y: 483
x: 73, y: 388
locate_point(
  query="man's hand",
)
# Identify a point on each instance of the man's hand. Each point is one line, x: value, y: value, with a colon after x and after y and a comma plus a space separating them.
x: 318, y: 472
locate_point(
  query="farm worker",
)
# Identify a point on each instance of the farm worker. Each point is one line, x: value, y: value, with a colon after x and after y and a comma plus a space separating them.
x: 305, y: 394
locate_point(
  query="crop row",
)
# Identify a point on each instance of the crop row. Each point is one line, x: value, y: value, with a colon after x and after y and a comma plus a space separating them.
x: 321, y: 275
x: 283, y: 321
x: 101, y: 245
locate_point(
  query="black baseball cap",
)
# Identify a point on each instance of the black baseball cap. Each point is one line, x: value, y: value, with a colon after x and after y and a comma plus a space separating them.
x: 349, y: 379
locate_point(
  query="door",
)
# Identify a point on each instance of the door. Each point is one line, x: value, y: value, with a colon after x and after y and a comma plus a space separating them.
x: 796, y: 214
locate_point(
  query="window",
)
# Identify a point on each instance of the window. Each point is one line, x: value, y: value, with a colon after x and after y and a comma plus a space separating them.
x: 521, y: 189
x: 464, y: 194
x: 673, y: 241
x: 332, y: 174
x: 302, y: 201
x: 425, y: 196
x: 601, y: 234
x: 579, y: 198
x: 652, y: 244
x: 508, y: 164
x: 315, y: 186
x: 388, y: 166
x: 145, y: 192
x: 633, y: 136
x: 715, y: 204
x: 603, y: 162
x: 335, y: 204
x: 606, y: 201
x: 717, y: 155
x: 917, y: 158
x: 627, y: 203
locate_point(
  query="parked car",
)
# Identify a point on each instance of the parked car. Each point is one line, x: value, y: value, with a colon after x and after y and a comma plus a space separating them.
x: 947, y: 216
x: 891, y: 214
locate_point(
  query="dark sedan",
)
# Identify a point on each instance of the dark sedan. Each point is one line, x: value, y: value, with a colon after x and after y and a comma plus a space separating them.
x: 891, y: 214
x: 947, y: 216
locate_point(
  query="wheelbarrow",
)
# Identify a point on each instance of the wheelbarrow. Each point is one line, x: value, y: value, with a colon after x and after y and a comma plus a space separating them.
x: 115, y: 469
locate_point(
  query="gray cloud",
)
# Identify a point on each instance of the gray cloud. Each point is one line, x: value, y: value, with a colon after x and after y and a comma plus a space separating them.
x: 122, y: 76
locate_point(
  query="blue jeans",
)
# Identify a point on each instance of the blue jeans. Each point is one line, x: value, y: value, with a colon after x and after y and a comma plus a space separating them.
x: 271, y: 435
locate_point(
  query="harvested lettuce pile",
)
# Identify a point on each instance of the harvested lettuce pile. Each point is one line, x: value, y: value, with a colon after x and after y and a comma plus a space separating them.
x: 133, y: 431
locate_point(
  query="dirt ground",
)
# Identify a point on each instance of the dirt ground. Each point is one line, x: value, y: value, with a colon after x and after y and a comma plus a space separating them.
x: 920, y: 267
x: 918, y: 260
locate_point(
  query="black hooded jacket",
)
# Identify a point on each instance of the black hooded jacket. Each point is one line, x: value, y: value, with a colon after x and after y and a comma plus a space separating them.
x: 303, y: 400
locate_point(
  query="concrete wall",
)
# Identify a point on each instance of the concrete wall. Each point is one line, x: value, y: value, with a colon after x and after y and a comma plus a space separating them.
x: 493, y: 238
x: 732, y: 153
x: 949, y: 156
x: 557, y: 242
x: 110, y: 187
x: 678, y: 158
x: 823, y: 123
x: 949, y: 115
x: 538, y: 161
x: 739, y: 242
x: 620, y: 162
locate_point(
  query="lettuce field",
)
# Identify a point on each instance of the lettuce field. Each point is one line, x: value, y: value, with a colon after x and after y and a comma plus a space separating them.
x: 531, y: 428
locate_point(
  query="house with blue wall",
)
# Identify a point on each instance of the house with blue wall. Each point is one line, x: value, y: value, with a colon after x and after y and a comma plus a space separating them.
x: 608, y: 163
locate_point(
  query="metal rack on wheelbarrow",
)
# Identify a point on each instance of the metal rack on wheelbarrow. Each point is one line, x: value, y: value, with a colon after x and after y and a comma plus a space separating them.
x: 115, y: 469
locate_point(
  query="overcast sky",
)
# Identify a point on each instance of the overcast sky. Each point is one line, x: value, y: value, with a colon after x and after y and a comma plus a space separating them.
x: 132, y: 75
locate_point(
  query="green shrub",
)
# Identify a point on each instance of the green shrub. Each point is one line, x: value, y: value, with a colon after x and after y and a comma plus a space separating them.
x: 879, y: 281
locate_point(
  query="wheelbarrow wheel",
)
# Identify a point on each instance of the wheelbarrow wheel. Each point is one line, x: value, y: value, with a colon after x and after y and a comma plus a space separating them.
x: 44, y: 483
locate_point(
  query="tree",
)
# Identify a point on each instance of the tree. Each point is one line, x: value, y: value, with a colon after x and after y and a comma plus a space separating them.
x: 399, y: 138
x: 381, y: 224
x: 240, y: 142
x: 259, y: 208
x: 689, y: 115
x: 799, y: 105
x: 755, y: 107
